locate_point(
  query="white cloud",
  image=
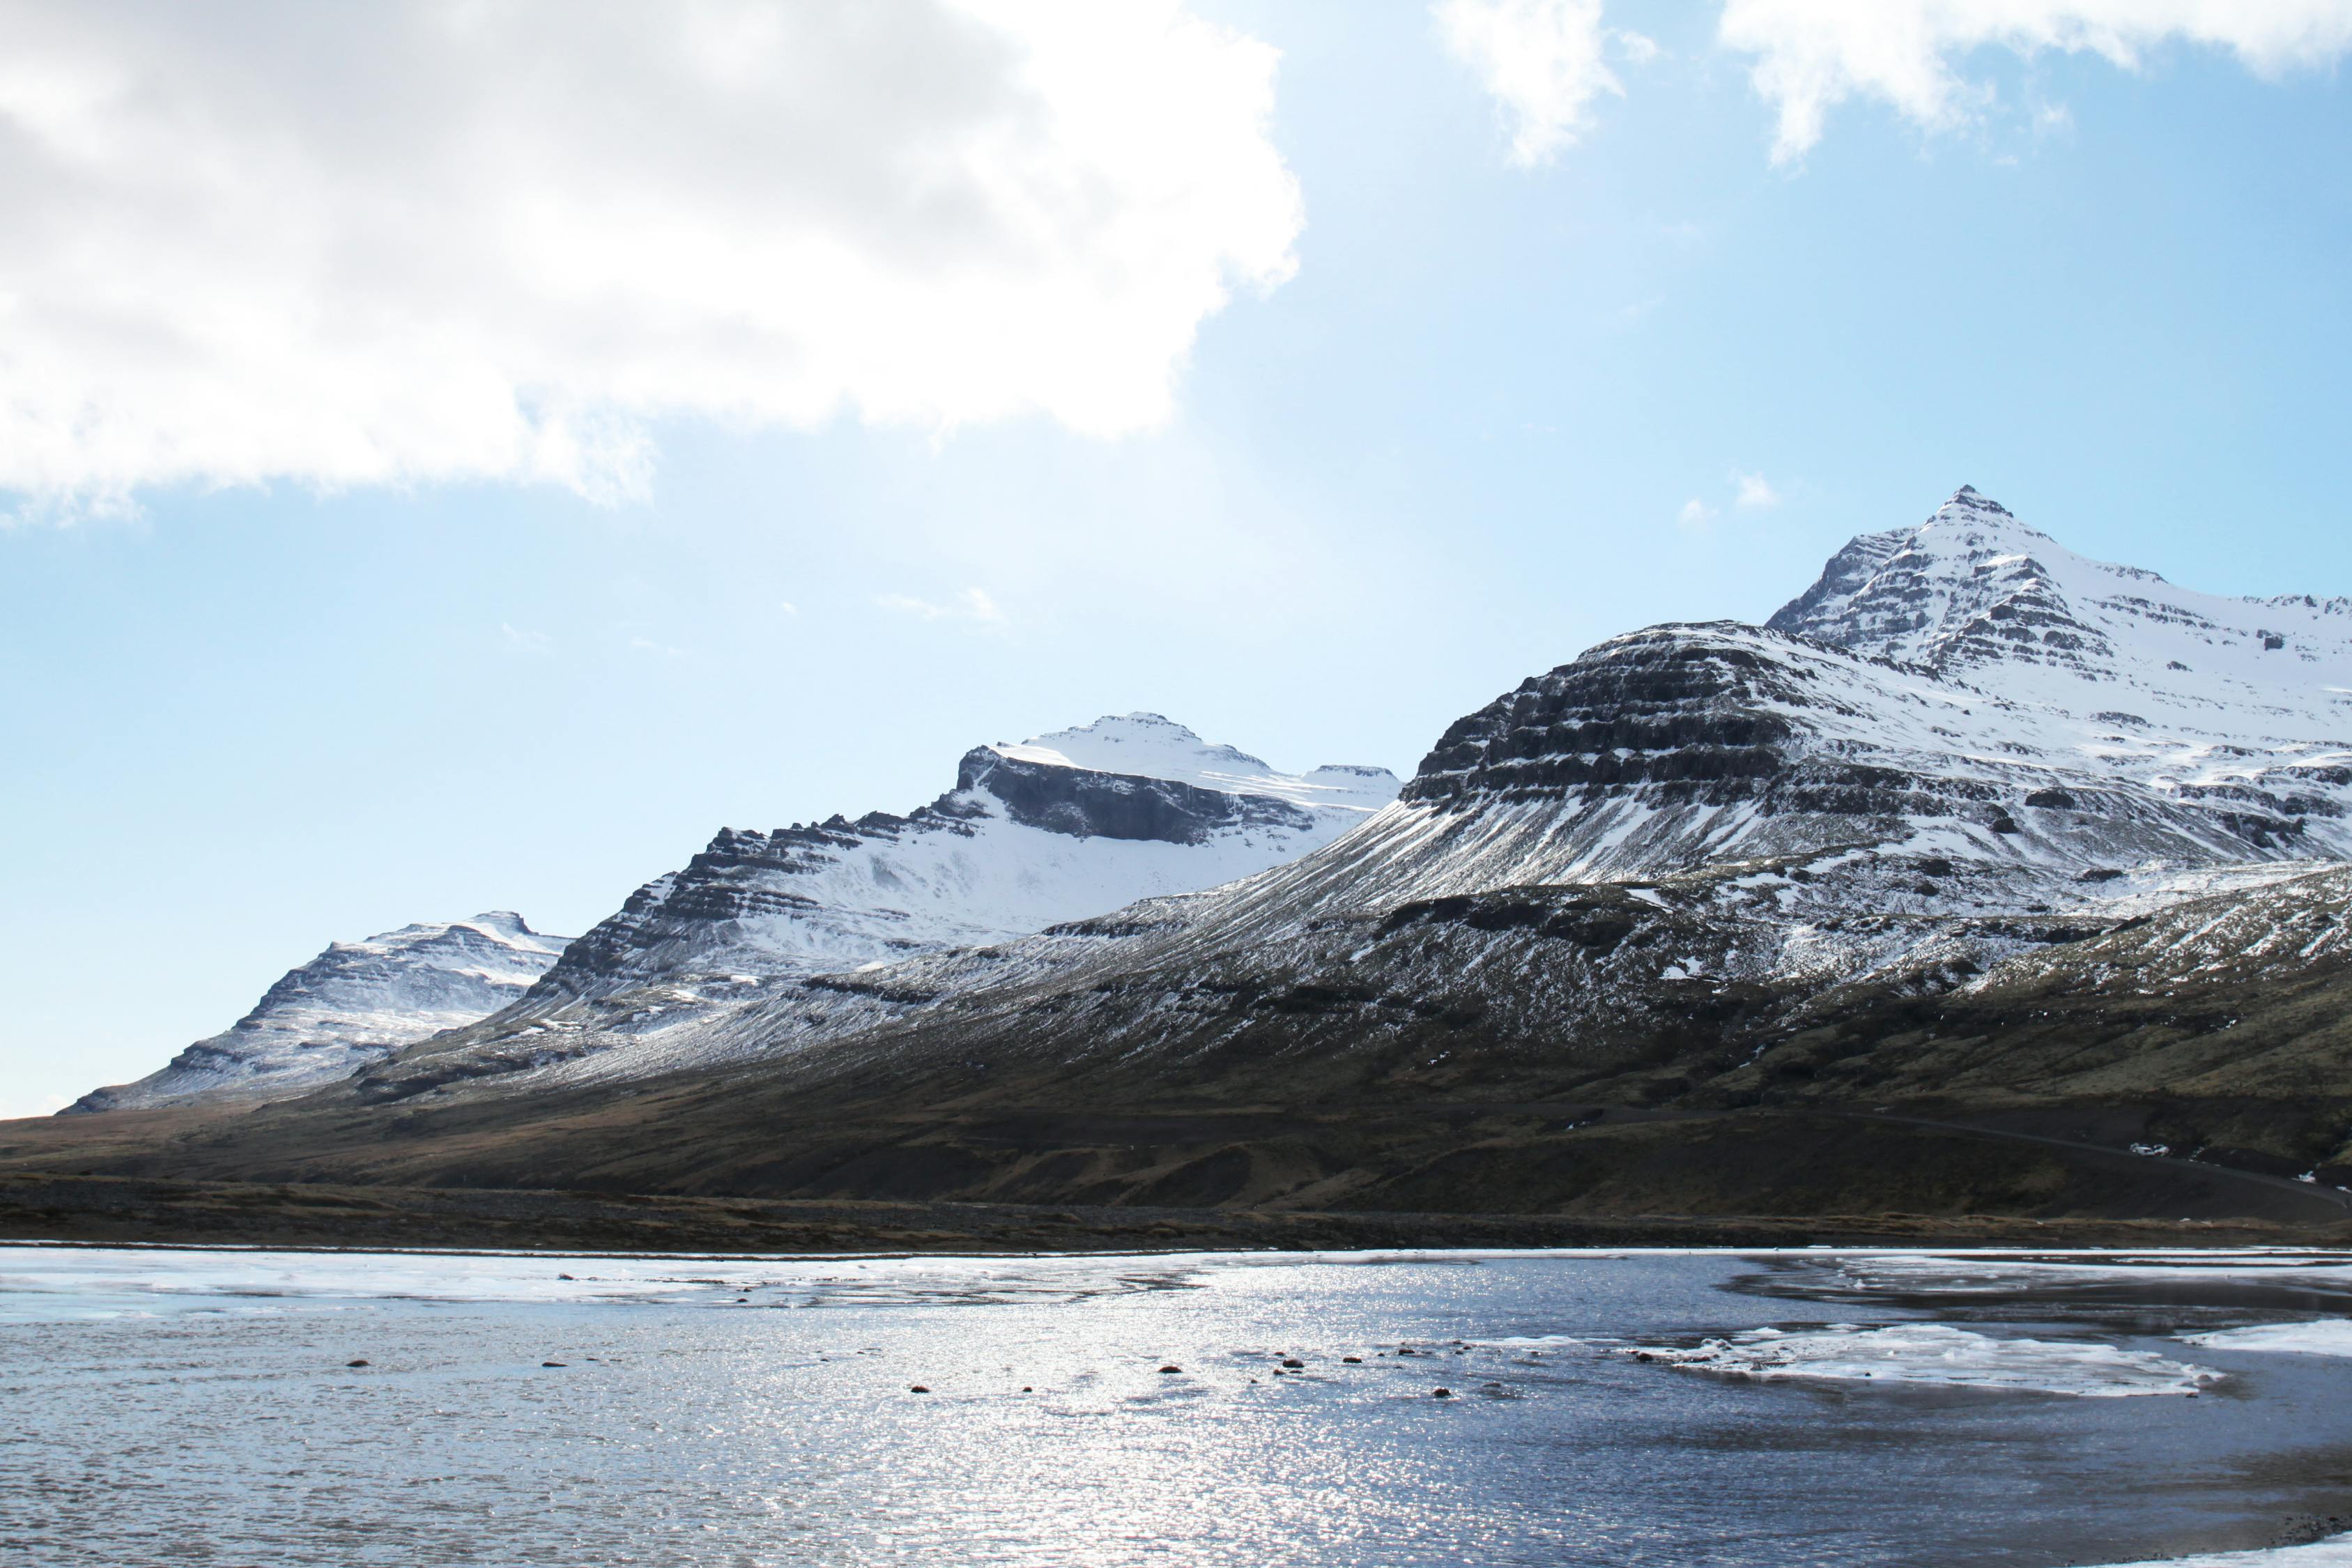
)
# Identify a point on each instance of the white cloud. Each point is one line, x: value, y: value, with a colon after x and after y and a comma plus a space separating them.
x: 973, y: 606
x: 788, y: 606
x: 1755, y: 490
x: 1544, y: 61
x: 1696, y: 512
x: 447, y: 240
x: 1811, y: 55
x: 14, y: 1106
x: 526, y: 642
x: 1636, y: 46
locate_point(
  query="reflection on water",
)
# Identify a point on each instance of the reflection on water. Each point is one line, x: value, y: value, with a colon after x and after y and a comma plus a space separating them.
x: 199, y: 1407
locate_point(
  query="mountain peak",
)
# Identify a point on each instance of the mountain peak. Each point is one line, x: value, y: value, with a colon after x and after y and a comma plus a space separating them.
x: 1970, y: 583
x: 1973, y: 591
x: 503, y: 920
x: 1153, y: 746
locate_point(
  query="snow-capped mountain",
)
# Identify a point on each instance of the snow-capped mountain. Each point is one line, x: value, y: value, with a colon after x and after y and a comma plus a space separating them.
x: 1978, y: 841
x: 349, y: 1005
x: 1063, y: 825
x: 1966, y: 687
x: 1962, y: 743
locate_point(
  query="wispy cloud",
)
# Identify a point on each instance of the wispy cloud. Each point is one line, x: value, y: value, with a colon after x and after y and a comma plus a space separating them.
x: 525, y: 642
x: 1813, y: 55
x: 1544, y: 61
x: 658, y: 649
x: 973, y: 606
x: 1750, y: 492
x: 408, y: 243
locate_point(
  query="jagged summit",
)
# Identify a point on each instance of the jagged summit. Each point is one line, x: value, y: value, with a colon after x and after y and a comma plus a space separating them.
x: 1941, y: 594
x: 1977, y: 594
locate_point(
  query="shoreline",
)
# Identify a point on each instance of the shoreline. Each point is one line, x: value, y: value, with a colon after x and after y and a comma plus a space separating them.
x: 96, y: 1210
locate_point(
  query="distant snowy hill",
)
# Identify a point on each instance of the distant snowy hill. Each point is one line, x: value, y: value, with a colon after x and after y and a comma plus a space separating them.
x: 347, y: 1007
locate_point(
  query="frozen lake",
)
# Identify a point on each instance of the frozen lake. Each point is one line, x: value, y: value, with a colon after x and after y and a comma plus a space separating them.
x: 1628, y: 1407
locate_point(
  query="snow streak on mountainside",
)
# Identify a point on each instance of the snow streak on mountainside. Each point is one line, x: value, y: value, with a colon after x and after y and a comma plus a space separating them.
x: 347, y: 1007
x: 1962, y: 743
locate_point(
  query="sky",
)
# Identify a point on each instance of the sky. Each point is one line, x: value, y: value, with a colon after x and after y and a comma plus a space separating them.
x: 455, y: 459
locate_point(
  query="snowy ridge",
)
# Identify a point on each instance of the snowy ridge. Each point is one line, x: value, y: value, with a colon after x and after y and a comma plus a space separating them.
x: 1031, y: 836
x: 350, y: 1005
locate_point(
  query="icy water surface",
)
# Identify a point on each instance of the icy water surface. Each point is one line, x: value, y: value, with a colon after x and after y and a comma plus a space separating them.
x: 1668, y: 1408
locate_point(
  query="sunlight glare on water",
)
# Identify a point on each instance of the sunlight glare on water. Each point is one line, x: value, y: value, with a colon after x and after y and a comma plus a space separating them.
x: 198, y: 1407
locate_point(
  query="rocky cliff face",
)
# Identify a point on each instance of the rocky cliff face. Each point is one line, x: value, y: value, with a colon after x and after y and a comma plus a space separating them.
x: 350, y: 1005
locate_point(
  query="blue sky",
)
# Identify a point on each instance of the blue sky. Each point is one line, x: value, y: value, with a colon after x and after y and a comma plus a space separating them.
x: 254, y: 710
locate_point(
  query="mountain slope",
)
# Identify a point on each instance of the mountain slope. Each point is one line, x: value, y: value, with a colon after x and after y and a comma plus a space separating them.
x: 1066, y: 824
x: 347, y: 1007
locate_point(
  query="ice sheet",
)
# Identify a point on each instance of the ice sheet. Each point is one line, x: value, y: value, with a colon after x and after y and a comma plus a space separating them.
x: 2336, y: 1552
x: 2326, y: 1336
x: 1939, y: 1354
